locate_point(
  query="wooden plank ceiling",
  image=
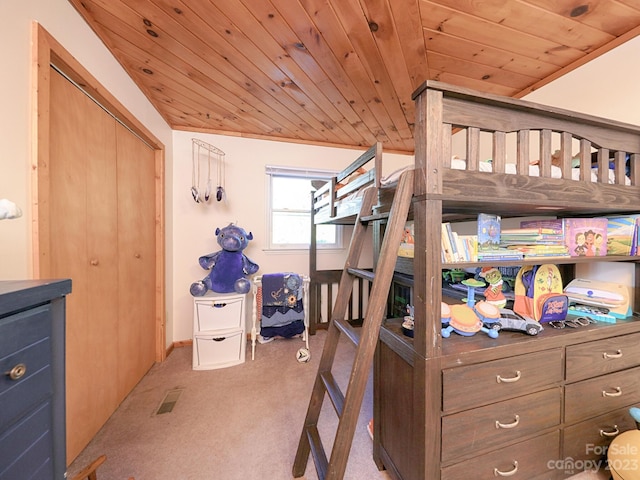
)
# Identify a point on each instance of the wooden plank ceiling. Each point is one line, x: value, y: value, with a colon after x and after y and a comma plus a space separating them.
x: 342, y: 72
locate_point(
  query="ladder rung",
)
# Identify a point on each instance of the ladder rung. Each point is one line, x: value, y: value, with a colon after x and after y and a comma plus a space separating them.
x: 317, y: 451
x: 335, y: 394
x: 346, y: 328
x: 374, y: 217
x: 358, y: 272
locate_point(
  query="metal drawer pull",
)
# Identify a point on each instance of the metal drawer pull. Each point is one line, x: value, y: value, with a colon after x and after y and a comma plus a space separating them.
x: 509, y: 425
x: 219, y: 339
x: 610, y: 434
x: 498, y: 473
x: 607, y: 356
x: 219, y: 305
x: 617, y: 393
x: 17, y: 372
x: 509, y: 380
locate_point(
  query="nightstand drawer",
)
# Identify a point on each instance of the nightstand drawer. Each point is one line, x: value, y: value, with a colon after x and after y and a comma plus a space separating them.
x: 601, y: 395
x: 520, y: 461
x: 602, y: 356
x: 218, y: 350
x: 589, y: 440
x: 499, y: 424
x: 220, y: 313
x: 476, y: 385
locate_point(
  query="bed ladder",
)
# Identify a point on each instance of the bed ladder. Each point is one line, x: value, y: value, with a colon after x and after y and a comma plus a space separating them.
x: 347, y: 406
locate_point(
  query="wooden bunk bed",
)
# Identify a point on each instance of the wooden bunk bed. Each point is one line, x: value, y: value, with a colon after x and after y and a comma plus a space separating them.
x: 440, y: 405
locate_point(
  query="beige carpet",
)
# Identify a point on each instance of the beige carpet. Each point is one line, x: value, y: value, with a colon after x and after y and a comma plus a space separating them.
x: 237, y: 423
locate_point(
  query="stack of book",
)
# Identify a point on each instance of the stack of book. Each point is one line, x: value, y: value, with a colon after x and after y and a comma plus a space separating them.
x: 489, y: 240
x: 536, y: 238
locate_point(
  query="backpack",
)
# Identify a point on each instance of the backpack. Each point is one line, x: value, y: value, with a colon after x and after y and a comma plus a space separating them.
x: 538, y: 293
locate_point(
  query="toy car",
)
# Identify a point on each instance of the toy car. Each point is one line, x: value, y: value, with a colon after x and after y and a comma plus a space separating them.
x: 510, y: 320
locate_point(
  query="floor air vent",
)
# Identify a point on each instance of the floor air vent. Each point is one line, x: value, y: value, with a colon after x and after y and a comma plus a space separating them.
x: 170, y: 400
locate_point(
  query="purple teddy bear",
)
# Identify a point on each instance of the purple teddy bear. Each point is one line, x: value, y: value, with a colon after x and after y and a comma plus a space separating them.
x: 229, y: 267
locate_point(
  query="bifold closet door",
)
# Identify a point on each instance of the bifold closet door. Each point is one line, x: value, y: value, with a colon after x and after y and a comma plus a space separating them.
x: 101, y: 238
x: 136, y: 259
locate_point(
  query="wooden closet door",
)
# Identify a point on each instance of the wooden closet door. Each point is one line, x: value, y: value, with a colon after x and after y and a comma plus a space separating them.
x: 102, y: 198
x: 136, y: 263
x: 84, y: 237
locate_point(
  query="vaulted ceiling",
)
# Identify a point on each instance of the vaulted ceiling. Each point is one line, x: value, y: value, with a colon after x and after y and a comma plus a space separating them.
x: 342, y: 72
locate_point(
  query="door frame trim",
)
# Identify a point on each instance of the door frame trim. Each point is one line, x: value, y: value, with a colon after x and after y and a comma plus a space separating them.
x: 45, y: 52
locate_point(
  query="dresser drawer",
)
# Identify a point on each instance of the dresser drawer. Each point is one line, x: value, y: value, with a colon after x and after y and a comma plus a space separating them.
x: 29, y: 357
x: 219, y: 313
x: 588, y: 440
x: 218, y: 350
x: 476, y: 385
x: 26, y: 446
x: 601, y: 395
x: 602, y: 356
x: 499, y: 424
x: 521, y: 461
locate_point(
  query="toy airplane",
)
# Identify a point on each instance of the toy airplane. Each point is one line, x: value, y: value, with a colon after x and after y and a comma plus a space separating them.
x: 609, y: 295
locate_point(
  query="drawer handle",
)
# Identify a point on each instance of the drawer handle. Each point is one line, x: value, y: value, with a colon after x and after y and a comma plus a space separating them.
x: 219, y: 339
x: 508, y: 425
x: 218, y: 305
x: 610, y: 434
x: 509, y: 380
x: 498, y: 473
x: 17, y: 372
x: 607, y: 356
x: 617, y: 393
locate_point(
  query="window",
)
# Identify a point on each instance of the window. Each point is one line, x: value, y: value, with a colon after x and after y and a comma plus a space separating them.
x: 290, y: 210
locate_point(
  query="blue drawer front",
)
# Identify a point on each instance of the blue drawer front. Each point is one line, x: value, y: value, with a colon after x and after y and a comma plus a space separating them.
x: 26, y: 447
x: 20, y: 396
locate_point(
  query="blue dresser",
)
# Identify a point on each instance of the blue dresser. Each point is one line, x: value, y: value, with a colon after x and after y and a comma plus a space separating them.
x: 32, y: 379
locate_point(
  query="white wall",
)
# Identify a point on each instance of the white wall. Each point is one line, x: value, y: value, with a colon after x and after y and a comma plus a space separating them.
x: 245, y: 205
x: 60, y: 19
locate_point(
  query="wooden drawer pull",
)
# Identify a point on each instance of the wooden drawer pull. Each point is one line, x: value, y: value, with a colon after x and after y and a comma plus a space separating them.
x: 17, y: 372
x: 612, y: 433
x: 617, y: 393
x: 607, y: 356
x: 498, y: 473
x: 509, y: 425
x: 509, y: 380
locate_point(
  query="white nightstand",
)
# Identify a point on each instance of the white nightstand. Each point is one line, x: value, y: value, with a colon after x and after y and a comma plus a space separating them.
x: 219, y: 338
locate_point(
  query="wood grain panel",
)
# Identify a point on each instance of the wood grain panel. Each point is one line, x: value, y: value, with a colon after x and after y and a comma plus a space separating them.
x: 341, y: 72
x: 136, y: 259
x: 475, y: 385
x: 602, y: 356
x: 600, y: 395
x: 84, y: 246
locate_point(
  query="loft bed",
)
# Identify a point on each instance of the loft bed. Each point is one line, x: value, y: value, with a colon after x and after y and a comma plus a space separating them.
x: 585, y: 166
x: 338, y: 202
x: 537, y: 155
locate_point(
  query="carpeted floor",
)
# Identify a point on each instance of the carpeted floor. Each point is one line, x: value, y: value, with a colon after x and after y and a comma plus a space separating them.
x: 237, y: 423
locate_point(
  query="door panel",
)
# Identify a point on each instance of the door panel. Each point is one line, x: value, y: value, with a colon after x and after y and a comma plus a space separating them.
x: 103, y: 238
x: 137, y: 264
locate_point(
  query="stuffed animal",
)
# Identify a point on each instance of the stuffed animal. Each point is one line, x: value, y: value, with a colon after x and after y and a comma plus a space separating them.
x: 229, y: 267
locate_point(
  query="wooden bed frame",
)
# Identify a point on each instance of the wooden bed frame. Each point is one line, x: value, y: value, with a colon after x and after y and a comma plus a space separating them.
x: 439, y: 412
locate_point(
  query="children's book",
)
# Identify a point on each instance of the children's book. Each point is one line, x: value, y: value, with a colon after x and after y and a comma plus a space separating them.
x: 488, y: 232
x: 586, y: 237
x: 622, y: 234
x: 551, y: 225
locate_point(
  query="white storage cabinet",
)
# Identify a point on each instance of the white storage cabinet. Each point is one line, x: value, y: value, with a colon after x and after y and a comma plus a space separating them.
x: 219, y: 330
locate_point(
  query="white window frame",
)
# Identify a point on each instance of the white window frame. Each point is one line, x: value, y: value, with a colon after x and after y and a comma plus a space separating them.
x: 292, y: 172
